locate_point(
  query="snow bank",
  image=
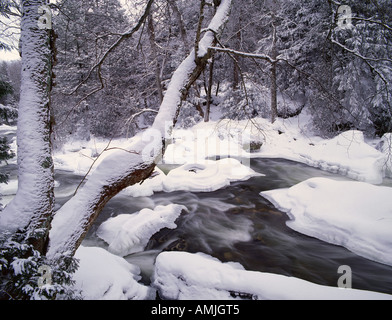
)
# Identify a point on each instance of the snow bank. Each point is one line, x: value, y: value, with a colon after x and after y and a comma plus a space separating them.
x: 224, y: 138
x: 6, y: 129
x: 355, y: 215
x: 103, y: 276
x: 78, y: 156
x: 130, y: 233
x: 347, y: 154
x: 185, y: 276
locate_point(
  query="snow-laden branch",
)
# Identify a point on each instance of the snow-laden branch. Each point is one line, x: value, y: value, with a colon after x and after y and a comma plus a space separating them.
x: 358, y: 54
x: 367, y: 61
x: 121, y: 169
x: 126, y: 35
x: 245, y: 54
x: 373, y: 21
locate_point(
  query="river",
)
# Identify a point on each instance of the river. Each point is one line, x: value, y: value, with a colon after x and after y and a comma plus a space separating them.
x: 237, y: 224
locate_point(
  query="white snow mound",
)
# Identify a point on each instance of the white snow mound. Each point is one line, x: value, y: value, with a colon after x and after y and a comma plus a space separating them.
x: 186, y: 276
x: 207, y: 175
x: 104, y: 276
x: 130, y: 233
x: 355, y: 215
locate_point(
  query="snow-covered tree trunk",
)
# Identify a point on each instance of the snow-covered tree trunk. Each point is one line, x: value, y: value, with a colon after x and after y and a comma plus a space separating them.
x: 123, y: 168
x: 31, y: 210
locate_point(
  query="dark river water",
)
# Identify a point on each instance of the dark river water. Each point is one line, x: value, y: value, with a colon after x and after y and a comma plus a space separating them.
x: 237, y: 224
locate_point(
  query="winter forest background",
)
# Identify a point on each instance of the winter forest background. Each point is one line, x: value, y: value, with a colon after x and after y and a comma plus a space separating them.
x: 274, y: 59
x: 340, y: 74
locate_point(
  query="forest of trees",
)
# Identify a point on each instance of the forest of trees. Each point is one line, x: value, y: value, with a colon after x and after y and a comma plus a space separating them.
x: 110, y: 70
x: 318, y: 65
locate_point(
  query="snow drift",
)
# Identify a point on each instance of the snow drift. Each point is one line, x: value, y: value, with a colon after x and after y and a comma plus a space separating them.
x: 186, y: 276
x: 104, y: 276
x: 352, y: 214
x: 130, y: 233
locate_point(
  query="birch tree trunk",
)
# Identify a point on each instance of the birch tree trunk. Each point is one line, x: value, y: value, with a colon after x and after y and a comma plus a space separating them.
x: 30, y: 212
x: 123, y: 168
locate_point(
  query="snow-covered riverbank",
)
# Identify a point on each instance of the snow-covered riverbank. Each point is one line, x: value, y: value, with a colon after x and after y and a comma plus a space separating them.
x: 356, y: 214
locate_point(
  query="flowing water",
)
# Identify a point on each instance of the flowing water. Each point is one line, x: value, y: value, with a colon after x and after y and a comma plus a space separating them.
x: 237, y: 224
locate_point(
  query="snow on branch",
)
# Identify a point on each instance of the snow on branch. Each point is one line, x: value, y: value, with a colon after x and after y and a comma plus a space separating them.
x: 245, y: 54
x: 123, y: 168
x: 122, y: 37
x: 373, y: 21
x: 358, y: 54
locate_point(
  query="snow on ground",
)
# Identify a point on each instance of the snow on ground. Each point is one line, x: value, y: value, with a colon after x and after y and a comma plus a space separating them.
x: 385, y: 146
x: 352, y: 214
x: 347, y: 154
x: 130, y: 233
x: 186, y: 276
x: 104, y: 276
x: 78, y: 156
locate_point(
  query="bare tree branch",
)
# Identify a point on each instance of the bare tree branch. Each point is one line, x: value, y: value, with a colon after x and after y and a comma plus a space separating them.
x: 245, y: 54
x: 123, y: 37
x: 122, y: 169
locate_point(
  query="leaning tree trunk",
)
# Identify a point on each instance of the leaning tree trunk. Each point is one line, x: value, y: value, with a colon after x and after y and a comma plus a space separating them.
x: 123, y: 168
x: 30, y: 212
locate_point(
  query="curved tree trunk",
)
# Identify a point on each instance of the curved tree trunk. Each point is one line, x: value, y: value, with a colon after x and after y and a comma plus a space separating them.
x: 124, y: 168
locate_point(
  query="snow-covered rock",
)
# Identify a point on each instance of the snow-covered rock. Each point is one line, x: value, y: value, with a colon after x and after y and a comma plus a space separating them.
x: 186, y: 276
x: 201, y: 176
x: 130, y: 233
x: 352, y: 214
x: 207, y: 175
x: 104, y: 276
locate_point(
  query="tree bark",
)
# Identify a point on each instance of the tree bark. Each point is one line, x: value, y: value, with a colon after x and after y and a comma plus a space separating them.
x: 209, y: 89
x: 274, y: 102
x: 154, y: 55
x: 180, y: 25
x: 124, y: 168
x: 30, y: 212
